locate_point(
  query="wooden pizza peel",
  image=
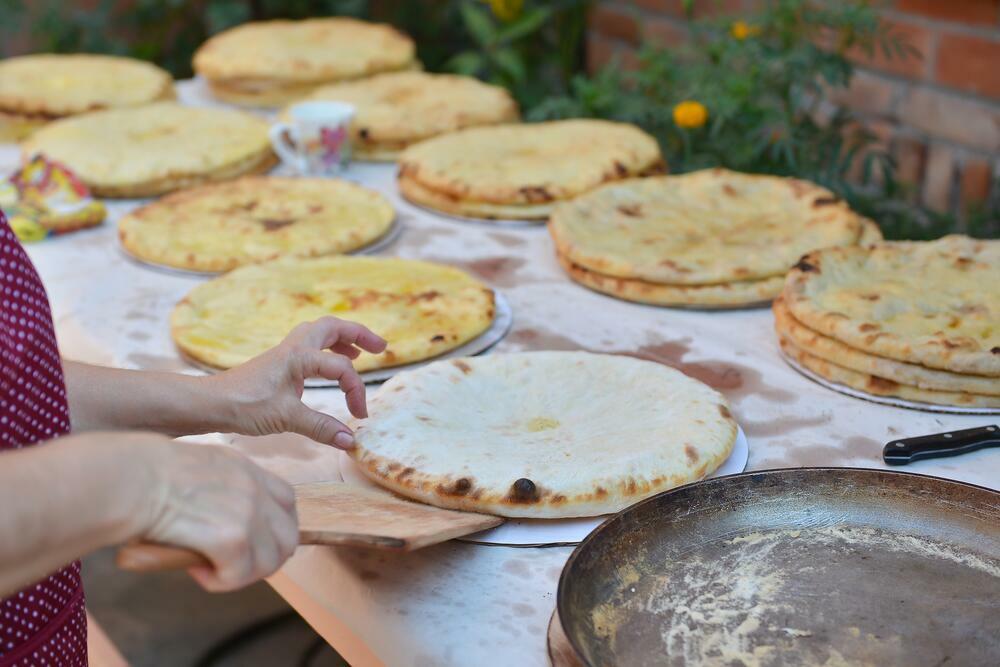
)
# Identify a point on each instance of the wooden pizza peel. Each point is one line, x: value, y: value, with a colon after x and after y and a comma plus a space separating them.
x: 338, y: 514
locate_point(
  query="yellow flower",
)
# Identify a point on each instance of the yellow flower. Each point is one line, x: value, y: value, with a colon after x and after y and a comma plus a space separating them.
x: 690, y: 114
x: 741, y: 30
x: 506, y: 10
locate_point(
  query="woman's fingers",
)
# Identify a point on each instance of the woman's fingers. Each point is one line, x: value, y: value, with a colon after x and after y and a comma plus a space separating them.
x: 346, y: 350
x: 328, y: 331
x: 333, y: 367
x: 280, y: 490
x: 241, y: 557
x: 219, y: 503
x: 320, y: 427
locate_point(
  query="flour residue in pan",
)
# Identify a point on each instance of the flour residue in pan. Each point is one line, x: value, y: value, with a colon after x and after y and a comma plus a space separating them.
x: 824, y: 595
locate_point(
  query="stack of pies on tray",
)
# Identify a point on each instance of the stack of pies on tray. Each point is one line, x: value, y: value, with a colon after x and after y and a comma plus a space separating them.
x: 542, y: 434
x: 221, y: 226
x: 157, y: 148
x: 399, y: 109
x: 421, y: 309
x: 271, y: 63
x: 521, y: 171
x: 910, y: 320
x: 37, y: 89
x: 710, y: 239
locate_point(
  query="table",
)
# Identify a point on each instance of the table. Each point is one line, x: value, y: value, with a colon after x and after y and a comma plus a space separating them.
x: 458, y: 603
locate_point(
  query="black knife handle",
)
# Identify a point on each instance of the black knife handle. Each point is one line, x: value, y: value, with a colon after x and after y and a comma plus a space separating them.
x: 908, y: 450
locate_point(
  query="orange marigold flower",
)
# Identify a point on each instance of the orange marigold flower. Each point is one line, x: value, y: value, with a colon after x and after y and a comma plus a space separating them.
x: 741, y: 30
x: 690, y: 114
x: 506, y: 10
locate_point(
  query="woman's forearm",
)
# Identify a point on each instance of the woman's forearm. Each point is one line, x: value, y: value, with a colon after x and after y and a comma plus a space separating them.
x: 62, y: 500
x: 170, y: 403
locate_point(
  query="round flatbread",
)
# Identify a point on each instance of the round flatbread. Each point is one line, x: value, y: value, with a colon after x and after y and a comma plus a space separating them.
x: 421, y: 309
x: 542, y: 434
x: 879, y: 386
x: 836, y: 352
x: 705, y: 227
x: 871, y: 233
x: 150, y: 150
x: 929, y: 303
x: 398, y: 109
x: 222, y: 226
x: 49, y: 86
x: 14, y: 127
x: 417, y: 194
x: 272, y: 62
x: 739, y: 294
x: 531, y: 164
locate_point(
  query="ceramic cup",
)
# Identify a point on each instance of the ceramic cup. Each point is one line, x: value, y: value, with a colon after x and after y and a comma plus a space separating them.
x: 320, y: 141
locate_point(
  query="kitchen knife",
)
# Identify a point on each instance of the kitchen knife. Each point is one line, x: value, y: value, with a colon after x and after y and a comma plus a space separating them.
x: 952, y: 443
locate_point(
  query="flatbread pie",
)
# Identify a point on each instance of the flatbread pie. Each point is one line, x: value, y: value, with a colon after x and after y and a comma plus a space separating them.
x: 542, y: 434
x: 708, y: 239
x: 221, y: 226
x: 736, y: 294
x: 37, y: 89
x: 835, y: 352
x: 701, y: 228
x: 399, y: 109
x: 422, y: 309
x: 271, y: 63
x: 157, y: 148
x: 934, y: 303
x: 522, y: 171
x: 879, y: 386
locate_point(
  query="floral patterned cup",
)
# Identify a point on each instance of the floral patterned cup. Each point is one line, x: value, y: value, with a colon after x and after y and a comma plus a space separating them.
x: 320, y: 143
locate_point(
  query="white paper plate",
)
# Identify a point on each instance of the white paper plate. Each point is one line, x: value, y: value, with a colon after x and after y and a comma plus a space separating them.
x: 886, y: 400
x: 503, y: 318
x: 381, y: 243
x: 548, y: 532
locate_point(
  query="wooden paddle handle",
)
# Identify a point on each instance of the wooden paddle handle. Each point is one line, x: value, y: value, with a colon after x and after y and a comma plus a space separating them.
x: 148, y: 557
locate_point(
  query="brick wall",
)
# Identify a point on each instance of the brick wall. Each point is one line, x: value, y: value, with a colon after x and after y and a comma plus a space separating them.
x: 939, y: 115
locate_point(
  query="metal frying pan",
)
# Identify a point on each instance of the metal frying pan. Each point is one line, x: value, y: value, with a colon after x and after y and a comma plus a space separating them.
x: 832, y: 566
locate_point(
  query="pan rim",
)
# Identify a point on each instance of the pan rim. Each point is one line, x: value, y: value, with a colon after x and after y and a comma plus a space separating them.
x: 561, y: 595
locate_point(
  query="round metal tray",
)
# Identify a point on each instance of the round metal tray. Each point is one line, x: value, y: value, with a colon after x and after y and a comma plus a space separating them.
x: 886, y: 400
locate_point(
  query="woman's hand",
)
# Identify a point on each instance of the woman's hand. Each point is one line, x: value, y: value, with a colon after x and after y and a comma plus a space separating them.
x: 265, y: 393
x: 79, y: 493
x: 216, y: 501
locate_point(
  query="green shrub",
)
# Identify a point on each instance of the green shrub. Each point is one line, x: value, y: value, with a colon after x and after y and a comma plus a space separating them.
x: 751, y: 95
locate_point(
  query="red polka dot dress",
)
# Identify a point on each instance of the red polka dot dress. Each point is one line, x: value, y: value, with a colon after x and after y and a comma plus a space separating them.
x: 45, y: 624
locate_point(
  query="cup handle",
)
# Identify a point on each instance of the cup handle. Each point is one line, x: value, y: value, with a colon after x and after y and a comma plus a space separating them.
x: 286, y: 152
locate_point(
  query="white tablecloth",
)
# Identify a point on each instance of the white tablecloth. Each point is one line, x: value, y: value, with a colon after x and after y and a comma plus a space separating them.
x: 458, y: 603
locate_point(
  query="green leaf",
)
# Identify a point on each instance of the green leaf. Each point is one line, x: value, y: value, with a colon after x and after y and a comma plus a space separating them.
x: 478, y: 23
x: 527, y: 23
x: 469, y: 63
x: 511, y: 63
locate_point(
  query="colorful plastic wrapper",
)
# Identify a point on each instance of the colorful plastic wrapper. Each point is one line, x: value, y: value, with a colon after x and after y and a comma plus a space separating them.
x: 44, y: 198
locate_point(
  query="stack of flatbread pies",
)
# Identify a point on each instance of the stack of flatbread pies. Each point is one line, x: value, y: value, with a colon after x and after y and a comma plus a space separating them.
x: 909, y: 320
x: 522, y: 171
x: 37, y: 89
x: 504, y: 434
x: 218, y: 227
x: 271, y: 63
x: 422, y: 309
x: 396, y: 110
x: 157, y: 148
x: 710, y: 239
